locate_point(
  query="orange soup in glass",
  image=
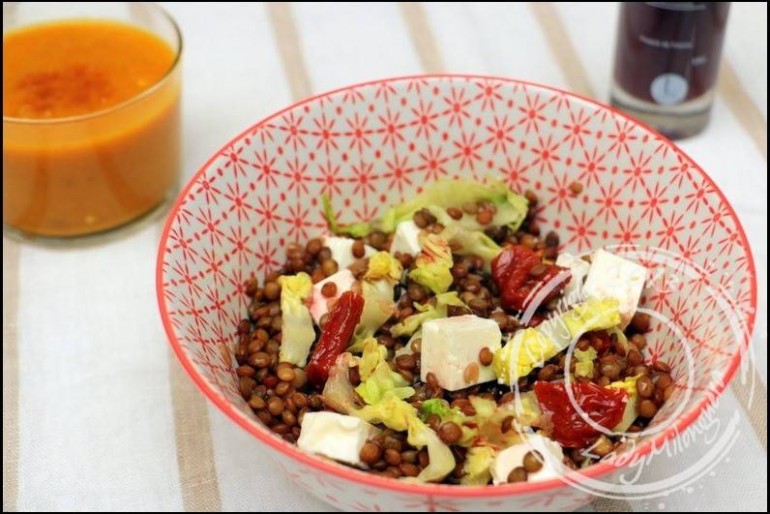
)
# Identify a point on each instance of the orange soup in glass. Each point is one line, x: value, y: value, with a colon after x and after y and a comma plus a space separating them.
x: 91, y: 114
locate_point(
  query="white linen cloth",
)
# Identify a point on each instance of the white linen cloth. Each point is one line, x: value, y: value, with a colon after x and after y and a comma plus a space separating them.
x: 97, y: 414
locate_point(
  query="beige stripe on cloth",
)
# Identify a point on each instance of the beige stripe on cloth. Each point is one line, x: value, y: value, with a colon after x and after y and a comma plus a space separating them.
x: 289, y: 48
x: 422, y: 37
x: 751, y: 394
x: 194, y: 445
x: 566, y: 56
x: 743, y: 107
x: 10, y: 375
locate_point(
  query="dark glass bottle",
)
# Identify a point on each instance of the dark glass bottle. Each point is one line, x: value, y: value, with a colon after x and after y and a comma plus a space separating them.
x: 667, y: 61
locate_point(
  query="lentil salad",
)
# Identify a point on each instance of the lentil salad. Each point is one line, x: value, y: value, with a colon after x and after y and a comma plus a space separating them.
x: 450, y: 341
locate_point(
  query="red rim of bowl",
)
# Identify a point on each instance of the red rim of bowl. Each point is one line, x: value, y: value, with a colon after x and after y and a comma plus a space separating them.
x: 354, y: 475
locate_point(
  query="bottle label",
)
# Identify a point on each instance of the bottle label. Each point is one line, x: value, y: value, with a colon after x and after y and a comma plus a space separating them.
x: 669, y: 89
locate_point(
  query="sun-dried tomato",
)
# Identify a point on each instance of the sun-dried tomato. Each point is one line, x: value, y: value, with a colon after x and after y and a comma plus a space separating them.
x: 602, y: 405
x: 522, y: 277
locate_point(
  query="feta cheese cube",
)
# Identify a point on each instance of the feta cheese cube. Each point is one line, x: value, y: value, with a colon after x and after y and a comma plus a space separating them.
x: 406, y: 240
x: 450, y: 350
x: 611, y: 276
x: 342, y: 250
x: 320, y: 304
x: 579, y: 269
x: 335, y: 436
x: 513, y: 457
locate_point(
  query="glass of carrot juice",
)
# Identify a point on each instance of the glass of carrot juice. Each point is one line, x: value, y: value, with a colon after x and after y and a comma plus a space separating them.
x: 91, y: 115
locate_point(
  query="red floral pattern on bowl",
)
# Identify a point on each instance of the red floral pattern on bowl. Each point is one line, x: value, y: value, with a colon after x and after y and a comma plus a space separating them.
x: 371, y: 145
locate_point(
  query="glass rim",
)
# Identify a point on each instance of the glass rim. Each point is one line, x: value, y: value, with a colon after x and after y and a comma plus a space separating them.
x: 125, y: 103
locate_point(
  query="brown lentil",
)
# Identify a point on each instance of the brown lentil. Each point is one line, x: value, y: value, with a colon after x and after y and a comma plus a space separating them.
x: 405, y: 361
x: 484, y: 217
x: 423, y: 458
x: 245, y: 371
x: 288, y: 418
x: 661, y: 366
x: 264, y: 417
x: 409, y: 456
x: 392, y: 457
x: 416, y: 292
x: 471, y: 373
x: 246, y: 386
x: 358, y: 249
x: 634, y: 358
x: 645, y: 387
x: 285, y: 372
x: 611, y: 370
x: 421, y: 219
x: 378, y: 239
x: 640, y: 322
x: 256, y: 402
x: 517, y: 474
x: 639, y: 341
x: 370, y: 453
x: 329, y: 290
x: 329, y: 267
x: 299, y: 378
x: 533, y: 461
x: 260, y: 360
x: 486, y: 356
x: 434, y: 422
x: 275, y: 406
x: 282, y: 388
x: 551, y: 239
x: 647, y: 408
x: 663, y: 380
x: 454, y: 212
x: 409, y: 469
x: 450, y: 432
x: 575, y: 188
x: 354, y: 376
x: 602, y: 446
x: 272, y: 291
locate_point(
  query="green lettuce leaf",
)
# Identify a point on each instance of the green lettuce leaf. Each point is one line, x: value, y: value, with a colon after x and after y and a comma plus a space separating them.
x: 529, y: 348
x: 476, y: 466
x: 436, y: 308
x: 296, y: 323
x: 383, y: 266
x: 593, y: 314
x: 630, y: 413
x: 584, y: 365
x: 511, y: 207
x: 377, y: 379
x: 433, y: 264
x: 382, y: 273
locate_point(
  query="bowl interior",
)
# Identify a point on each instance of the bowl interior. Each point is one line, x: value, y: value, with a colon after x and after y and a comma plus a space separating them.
x: 375, y: 144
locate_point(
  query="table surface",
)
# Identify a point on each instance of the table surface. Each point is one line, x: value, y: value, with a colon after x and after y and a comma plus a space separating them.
x: 97, y: 413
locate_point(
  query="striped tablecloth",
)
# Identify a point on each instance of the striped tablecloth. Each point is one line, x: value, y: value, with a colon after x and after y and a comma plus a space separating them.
x: 97, y: 414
